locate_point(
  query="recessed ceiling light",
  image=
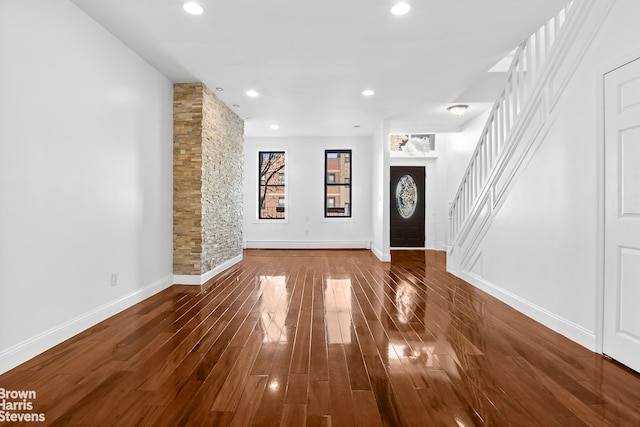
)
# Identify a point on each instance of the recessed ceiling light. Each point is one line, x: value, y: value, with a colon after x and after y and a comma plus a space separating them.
x: 252, y: 93
x: 400, y: 8
x: 219, y: 89
x: 236, y: 106
x: 356, y: 126
x: 367, y: 92
x: 274, y: 127
x: 193, y: 7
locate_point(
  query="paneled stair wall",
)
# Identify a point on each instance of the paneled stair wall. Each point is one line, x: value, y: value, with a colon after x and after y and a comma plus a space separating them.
x: 540, y: 70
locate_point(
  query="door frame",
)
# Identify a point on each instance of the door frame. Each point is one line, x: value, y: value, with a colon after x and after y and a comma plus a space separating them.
x: 602, y: 71
x: 424, y: 209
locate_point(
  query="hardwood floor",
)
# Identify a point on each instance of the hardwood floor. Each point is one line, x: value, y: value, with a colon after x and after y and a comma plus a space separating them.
x: 326, y: 338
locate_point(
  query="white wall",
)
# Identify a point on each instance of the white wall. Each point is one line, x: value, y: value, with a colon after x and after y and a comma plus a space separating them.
x: 85, y: 176
x: 541, y: 252
x: 459, y: 149
x: 380, y: 196
x: 305, y: 225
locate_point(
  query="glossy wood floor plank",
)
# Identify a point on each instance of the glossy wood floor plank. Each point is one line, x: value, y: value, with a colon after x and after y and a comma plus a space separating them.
x: 326, y: 338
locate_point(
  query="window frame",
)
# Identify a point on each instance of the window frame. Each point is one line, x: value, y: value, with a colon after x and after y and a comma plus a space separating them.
x: 278, y: 182
x: 343, y: 183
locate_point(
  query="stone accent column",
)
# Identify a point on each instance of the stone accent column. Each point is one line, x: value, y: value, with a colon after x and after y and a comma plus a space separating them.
x: 207, y: 181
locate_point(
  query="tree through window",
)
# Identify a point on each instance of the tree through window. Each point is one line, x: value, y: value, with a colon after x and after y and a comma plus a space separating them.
x: 271, y: 185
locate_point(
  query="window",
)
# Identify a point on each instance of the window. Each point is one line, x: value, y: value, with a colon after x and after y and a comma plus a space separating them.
x: 337, y: 189
x: 271, y: 185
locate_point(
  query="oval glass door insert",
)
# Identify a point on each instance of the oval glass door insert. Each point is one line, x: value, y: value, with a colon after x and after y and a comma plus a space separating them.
x: 406, y: 196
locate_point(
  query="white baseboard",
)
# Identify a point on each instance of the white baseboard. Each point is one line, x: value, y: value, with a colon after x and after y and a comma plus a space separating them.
x: 21, y: 352
x: 183, y: 279
x: 551, y: 320
x: 384, y: 257
x: 307, y: 244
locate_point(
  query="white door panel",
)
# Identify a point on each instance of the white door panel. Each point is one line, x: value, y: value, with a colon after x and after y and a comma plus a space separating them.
x: 629, y: 174
x: 622, y: 215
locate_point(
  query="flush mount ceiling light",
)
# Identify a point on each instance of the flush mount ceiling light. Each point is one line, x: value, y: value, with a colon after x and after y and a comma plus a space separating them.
x: 193, y: 7
x: 219, y: 89
x: 400, y: 7
x: 368, y: 92
x: 252, y: 93
x: 274, y: 127
x: 458, y: 110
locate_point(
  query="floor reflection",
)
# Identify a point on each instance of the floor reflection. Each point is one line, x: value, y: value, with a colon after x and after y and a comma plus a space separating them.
x: 406, y: 303
x: 423, y: 329
x: 274, y: 299
x: 428, y: 336
x: 337, y: 309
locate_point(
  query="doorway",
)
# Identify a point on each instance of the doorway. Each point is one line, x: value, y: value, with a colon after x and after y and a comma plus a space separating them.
x: 407, y: 207
x: 621, y: 326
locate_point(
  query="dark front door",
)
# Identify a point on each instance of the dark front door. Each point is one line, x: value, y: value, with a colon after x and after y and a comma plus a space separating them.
x: 407, y: 207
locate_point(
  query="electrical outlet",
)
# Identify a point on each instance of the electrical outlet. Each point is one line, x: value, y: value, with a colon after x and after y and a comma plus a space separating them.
x: 114, y: 279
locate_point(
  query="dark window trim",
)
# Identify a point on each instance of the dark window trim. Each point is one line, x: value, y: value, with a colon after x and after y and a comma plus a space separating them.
x: 261, y: 185
x: 327, y: 184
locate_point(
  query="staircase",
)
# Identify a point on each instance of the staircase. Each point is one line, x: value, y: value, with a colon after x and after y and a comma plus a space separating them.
x: 540, y: 69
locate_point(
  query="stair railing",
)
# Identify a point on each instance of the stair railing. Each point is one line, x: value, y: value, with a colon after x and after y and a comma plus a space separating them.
x: 528, y: 62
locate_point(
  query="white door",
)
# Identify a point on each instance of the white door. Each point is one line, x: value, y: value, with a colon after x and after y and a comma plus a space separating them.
x: 622, y: 215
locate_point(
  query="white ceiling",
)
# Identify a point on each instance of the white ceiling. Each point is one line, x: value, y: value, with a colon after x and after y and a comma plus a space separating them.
x: 310, y: 60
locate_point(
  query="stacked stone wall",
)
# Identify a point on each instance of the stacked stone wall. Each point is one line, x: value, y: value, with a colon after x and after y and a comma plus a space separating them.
x: 207, y: 180
x: 222, y: 182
